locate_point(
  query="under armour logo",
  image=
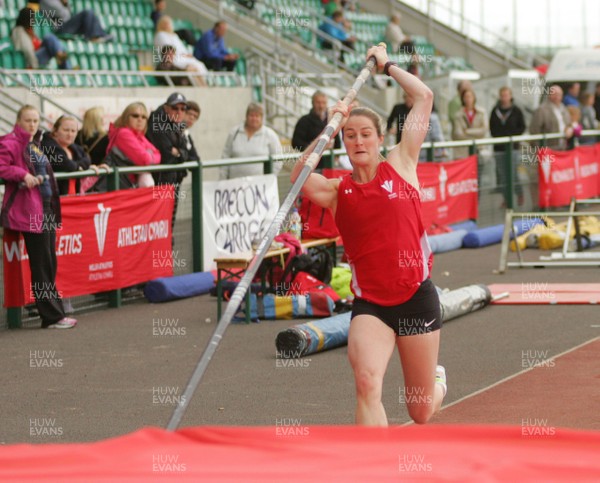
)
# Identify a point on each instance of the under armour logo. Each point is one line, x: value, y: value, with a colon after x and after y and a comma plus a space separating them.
x: 348, y: 191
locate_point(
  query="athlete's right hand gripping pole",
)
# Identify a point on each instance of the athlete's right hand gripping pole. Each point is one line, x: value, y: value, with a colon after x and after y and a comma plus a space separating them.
x: 240, y: 291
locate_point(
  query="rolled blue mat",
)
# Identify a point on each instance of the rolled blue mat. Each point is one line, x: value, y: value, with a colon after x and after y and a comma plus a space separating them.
x: 303, y: 339
x: 447, y: 241
x: 493, y: 234
x: 469, y: 225
x: 178, y: 287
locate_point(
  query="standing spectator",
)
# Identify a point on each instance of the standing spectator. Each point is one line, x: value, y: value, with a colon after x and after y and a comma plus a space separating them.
x: 127, y: 138
x: 597, y: 101
x: 31, y: 206
x: 92, y: 136
x: 335, y: 27
x: 211, y: 49
x: 434, y: 135
x: 312, y: 124
x: 167, y: 64
x: 250, y: 138
x: 37, y: 52
x: 469, y: 123
x: 84, y: 23
x: 455, y: 103
x: 588, y: 113
x: 397, y: 117
x: 159, y: 10
x: 394, y: 36
x: 165, y: 36
x: 64, y: 155
x: 575, y: 114
x: 572, y: 96
x: 552, y: 117
x: 192, y: 114
x: 506, y: 119
x: 166, y: 132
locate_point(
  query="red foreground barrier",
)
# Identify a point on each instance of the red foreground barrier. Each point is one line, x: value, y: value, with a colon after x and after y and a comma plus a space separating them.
x: 291, y: 452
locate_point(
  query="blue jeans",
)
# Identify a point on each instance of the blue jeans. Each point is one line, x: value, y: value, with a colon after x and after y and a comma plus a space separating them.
x: 49, y: 48
x: 84, y: 23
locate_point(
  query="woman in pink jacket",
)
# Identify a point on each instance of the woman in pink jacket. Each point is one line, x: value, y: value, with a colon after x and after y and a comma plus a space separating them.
x: 126, y: 138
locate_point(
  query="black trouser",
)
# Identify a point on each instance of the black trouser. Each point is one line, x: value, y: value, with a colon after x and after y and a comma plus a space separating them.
x: 219, y: 64
x: 41, y: 248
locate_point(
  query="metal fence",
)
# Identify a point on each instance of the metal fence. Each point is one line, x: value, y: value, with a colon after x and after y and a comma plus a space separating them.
x: 499, y: 187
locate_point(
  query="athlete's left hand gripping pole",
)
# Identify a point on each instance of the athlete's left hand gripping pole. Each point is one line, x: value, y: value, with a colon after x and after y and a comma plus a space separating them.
x: 240, y: 291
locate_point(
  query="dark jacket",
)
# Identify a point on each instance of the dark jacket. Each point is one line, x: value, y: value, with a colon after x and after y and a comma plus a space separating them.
x: 165, y: 135
x: 506, y: 122
x: 95, y: 146
x: 60, y: 162
x: 306, y: 131
x: 398, y: 118
x: 20, y: 204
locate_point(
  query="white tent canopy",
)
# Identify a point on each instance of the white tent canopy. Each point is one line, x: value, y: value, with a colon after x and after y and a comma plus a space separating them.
x: 575, y: 65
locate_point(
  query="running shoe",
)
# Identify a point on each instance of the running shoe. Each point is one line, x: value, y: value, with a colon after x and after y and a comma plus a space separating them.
x: 440, y: 378
x: 66, y: 323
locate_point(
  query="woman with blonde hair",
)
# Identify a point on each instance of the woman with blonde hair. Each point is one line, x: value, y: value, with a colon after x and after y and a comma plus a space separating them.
x: 165, y: 36
x: 127, y: 142
x: 92, y: 136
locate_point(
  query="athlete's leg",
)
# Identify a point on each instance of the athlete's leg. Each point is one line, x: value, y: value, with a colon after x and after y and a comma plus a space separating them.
x: 370, y: 347
x: 419, y: 355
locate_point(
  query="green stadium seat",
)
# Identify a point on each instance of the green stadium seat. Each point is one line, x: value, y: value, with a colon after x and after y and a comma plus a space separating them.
x: 94, y: 63
x: 5, y: 28
x: 19, y: 60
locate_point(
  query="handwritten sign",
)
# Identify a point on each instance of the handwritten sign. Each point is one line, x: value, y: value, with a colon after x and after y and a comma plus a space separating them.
x: 235, y: 212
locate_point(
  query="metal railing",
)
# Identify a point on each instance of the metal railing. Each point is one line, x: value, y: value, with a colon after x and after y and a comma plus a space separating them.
x: 196, y: 169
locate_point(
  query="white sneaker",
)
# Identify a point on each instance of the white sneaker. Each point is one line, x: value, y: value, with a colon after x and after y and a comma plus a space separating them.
x: 440, y: 378
x: 66, y: 323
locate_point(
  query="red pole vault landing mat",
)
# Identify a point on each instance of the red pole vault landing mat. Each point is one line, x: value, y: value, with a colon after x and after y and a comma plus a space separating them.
x: 293, y: 453
x: 546, y: 293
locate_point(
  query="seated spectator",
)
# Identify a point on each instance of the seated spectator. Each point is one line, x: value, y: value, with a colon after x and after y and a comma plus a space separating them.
x: 166, y: 64
x: 64, y: 155
x: 182, y: 59
x: 393, y: 33
x: 166, y: 132
x: 37, y: 52
x: 186, y: 35
x: 311, y: 125
x: 572, y: 96
x: 211, y: 49
x: 552, y: 117
x: 588, y: 113
x: 92, y: 136
x: 335, y: 28
x: 469, y: 123
x: 31, y: 206
x: 127, y: 135
x: 85, y: 23
x: 250, y: 138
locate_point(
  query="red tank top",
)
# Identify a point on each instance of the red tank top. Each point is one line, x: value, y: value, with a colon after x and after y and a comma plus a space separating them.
x: 384, y: 239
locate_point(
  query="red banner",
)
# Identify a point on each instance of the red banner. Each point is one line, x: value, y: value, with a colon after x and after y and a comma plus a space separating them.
x: 448, y: 191
x: 104, y: 242
x: 563, y: 174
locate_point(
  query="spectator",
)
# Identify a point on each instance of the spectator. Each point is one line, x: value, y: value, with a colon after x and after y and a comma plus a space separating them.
x: 192, y: 114
x: 312, y: 124
x: 183, y: 59
x: 588, y: 113
x: 434, y: 135
x: 507, y: 119
x: 575, y: 114
x: 336, y: 28
x: 166, y: 132
x: 31, y: 206
x: 64, y: 155
x: 84, y: 23
x: 127, y: 140
x: 92, y: 136
x: 211, y: 49
x: 469, y: 123
x: 159, y: 10
x: 397, y: 117
x: 552, y: 117
x: 572, y: 95
x: 394, y: 36
x: 250, y: 138
x: 37, y: 52
x: 455, y: 103
x: 167, y: 64
x: 597, y: 101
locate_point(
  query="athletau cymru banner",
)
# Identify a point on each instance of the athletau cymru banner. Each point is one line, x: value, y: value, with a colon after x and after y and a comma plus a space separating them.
x: 563, y: 174
x: 235, y: 211
x: 104, y: 242
x: 448, y: 191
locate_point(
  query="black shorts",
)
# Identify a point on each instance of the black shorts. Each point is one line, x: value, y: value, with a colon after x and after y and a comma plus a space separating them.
x: 419, y: 315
